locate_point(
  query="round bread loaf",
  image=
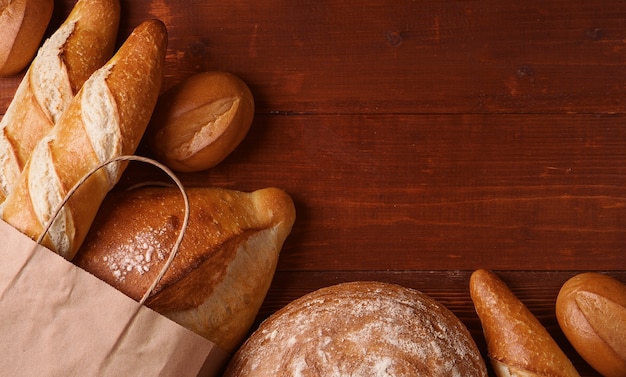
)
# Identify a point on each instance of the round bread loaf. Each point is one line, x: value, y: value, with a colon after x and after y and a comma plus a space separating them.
x: 200, y: 121
x: 591, y: 310
x: 23, y: 24
x: 360, y: 329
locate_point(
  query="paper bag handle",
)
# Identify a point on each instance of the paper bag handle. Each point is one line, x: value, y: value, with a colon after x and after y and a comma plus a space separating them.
x: 181, y: 234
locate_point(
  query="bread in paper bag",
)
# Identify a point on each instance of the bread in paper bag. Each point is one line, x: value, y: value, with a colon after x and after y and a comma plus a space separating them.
x: 58, y: 320
x: 224, y: 266
x: 81, y: 45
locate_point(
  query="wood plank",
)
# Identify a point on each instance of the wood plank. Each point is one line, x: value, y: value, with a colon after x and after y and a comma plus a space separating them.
x: 420, y: 140
x: 398, y: 56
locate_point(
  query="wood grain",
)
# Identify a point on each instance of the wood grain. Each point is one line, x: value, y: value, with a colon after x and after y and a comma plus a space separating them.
x: 443, y: 192
x: 420, y: 140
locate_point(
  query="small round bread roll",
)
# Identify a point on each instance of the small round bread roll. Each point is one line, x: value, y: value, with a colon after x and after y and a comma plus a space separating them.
x: 591, y: 310
x: 200, y: 121
x: 23, y: 24
x: 360, y: 329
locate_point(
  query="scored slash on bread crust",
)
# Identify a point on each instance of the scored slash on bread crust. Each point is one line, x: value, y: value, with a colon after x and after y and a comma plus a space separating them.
x: 591, y: 311
x: 517, y: 343
x: 223, y: 268
x: 200, y: 121
x: 130, y: 81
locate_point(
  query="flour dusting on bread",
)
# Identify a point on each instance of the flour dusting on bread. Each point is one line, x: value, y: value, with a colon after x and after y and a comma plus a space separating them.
x: 360, y: 329
x: 138, y: 255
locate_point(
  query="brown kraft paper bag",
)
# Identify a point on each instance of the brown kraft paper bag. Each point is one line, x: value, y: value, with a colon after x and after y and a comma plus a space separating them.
x: 58, y: 320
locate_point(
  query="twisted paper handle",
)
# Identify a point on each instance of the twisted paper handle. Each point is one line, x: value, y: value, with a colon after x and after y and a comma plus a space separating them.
x: 179, y: 240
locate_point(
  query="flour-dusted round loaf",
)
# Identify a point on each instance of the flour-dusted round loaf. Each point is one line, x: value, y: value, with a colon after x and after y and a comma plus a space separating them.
x: 360, y: 329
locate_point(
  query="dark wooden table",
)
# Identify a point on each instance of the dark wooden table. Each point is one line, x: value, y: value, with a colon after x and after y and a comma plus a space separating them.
x: 421, y: 140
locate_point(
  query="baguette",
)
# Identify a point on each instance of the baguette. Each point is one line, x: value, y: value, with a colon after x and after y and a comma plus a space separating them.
x: 517, y: 343
x: 23, y: 24
x: 591, y: 310
x: 82, y: 44
x: 107, y: 118
x: 224, y: 265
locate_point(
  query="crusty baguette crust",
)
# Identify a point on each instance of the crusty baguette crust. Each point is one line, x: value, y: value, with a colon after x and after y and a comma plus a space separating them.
x: 516, y: 340
x: 93, y: 41
x: 23, y: 24
x: 591, y: 310
x: 223, y: 268
x: 107, y: 118
x: 81, y: 45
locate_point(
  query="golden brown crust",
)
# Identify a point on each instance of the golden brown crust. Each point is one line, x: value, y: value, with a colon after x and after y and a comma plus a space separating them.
x: 23, y: 24
x: 201, y: 121
x: 81, y: 45
x: 223, y: 268
x: 362, y: 328
x: 29, y: 113
x: 93, y: 41
x: 514, y: 336
x: 106, y: 118
x: 152, y: 216
x: 145, y: 57
x: 591, y: 310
